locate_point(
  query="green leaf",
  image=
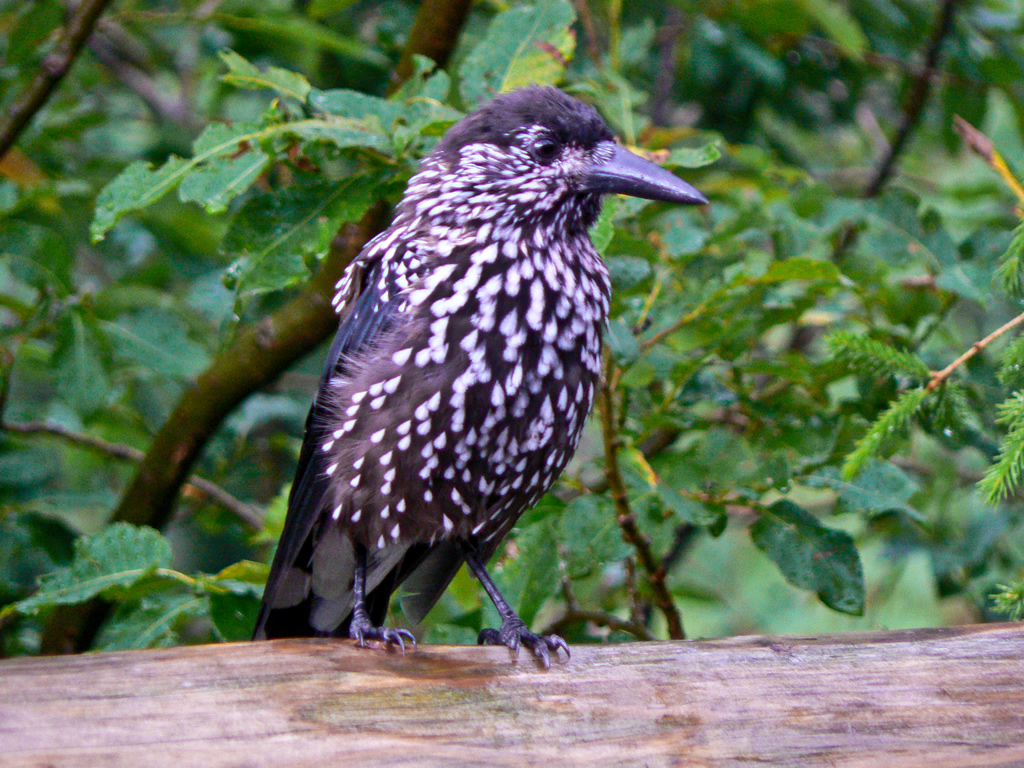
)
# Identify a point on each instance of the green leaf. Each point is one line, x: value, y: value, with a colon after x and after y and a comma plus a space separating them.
x: 812, y: 556
x: 603, y: 230
x: 25, y: 467
x: 691, y: 511
x: 532, y: 576
x: 880, y: 487
x: 376, y: 114
x: 213, y: 176
x: 275, y: 234
x: 114, y: 559
x: 137, y: 186
x: 589, y: 535
x: 234, y: 615
x: 78, y: 358
x: 524, y: 45
x: 622, y: 343
x: 243, y: 74
x: 307, y: 33
x: 223, y: 175
x: 800, y: 269
x: 344, y: 133
x: 839, y: 24
x: 150, y: 622
x: 157, y: 341
x: 694, y: 157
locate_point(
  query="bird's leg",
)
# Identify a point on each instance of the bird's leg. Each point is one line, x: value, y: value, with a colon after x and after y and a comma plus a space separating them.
x: 360, y: 628
x: 513, y: 630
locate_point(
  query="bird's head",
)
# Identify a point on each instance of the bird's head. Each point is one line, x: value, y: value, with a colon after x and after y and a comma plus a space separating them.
x: 533, y: 156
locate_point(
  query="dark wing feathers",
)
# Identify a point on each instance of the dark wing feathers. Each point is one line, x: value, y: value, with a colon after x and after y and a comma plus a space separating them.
x: 367, y: 318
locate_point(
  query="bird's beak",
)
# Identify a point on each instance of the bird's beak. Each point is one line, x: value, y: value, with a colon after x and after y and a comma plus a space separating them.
x: 629, y: 174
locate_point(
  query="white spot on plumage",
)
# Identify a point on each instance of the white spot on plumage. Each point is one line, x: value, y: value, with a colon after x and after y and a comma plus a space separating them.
x: 386, y: 458
x: 385, y: 512
x: 337, y: 512
x: 404, y: 427
x: 356, y: 515
x: 358, y: 463
x: 448, y: 524
x: 330, y: 470
x: 401, y: 356
x: 395, y: 531
x: 400, y: 505
x: 327, y: 446
x: 377, y: 436
x: 358, y: 397
x: 380, y: 542
x: 535, y: 314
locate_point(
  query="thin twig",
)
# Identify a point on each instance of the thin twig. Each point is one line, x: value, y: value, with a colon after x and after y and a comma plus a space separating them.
x: 245, y: 512
x: 601, y: 619
x: 669, y: 34
x: 917, y: 97
x: 52, y: 70
x: 574, y: 613
x: 913, y: 108
x: 589, y: 32
x: 624, y: 515
x: 686, y: 319
x: 938, y: 377
x: 982, y: 146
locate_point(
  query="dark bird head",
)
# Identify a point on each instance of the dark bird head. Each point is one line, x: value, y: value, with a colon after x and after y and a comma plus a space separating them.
x: 534, y: 155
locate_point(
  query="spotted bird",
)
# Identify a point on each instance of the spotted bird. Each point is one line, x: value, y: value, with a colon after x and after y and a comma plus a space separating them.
x: 462, y: 372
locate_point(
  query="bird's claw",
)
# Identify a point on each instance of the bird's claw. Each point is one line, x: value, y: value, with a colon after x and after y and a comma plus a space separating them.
x: 361, y: 633
x: 514, y: 633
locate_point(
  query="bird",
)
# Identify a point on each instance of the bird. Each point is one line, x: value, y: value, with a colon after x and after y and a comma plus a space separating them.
x: 465, y: 364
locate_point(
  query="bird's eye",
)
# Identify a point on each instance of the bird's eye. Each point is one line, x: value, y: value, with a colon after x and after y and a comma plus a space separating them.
x: 545, y: 149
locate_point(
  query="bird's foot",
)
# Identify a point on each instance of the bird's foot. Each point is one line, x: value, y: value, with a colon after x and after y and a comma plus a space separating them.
x: 514, y: 633
x: 363, y: 630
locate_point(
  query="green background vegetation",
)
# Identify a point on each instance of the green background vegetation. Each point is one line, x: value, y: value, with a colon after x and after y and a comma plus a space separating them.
x: 790, y: 437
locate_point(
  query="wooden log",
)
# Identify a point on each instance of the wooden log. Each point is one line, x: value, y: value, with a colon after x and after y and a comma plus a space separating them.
x: 933, y: 697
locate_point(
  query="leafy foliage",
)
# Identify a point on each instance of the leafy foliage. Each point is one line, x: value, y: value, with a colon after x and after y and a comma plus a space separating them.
x: 794, y: 447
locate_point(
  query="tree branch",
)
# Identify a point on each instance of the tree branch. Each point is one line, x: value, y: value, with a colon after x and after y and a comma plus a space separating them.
x: 917, y: 97
x: 913, y: 108
x: 433, y: 34
x: 257, y: 357
x: 247, y: 513
x: 624, y: 515
x: 51, y: 72
x: 938, y: 377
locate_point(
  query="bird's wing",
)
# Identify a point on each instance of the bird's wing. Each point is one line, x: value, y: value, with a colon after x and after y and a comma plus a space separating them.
x: 367, y: 302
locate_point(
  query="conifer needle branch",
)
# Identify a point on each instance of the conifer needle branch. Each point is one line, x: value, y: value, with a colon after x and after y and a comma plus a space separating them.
x: 938, y: 377
x: 52, y: 70
x: 624, y: 514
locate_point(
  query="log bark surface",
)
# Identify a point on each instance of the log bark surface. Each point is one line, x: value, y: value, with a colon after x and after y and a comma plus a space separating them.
x: 941, y: 697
